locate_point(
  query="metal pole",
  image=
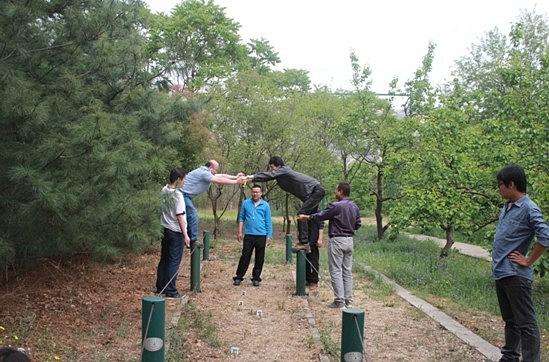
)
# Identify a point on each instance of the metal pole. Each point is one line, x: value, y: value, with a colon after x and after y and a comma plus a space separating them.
x: 207, y: 243
x: 288, y: 248
x: 300, y: 273
x: 195, y: 266
x: 352, y: 335
x: 152, y: 328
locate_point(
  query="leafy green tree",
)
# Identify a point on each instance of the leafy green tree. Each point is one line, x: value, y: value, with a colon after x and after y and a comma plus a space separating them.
x: 196, y: 44
x: 257, y: 115
x: 369, y: 132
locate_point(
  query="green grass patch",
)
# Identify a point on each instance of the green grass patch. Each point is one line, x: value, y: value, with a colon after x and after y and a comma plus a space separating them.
x: 329, y: 346
x: 464, y: 280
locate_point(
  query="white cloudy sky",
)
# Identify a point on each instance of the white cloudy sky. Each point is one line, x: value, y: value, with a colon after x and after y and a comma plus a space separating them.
x: 391, y: 36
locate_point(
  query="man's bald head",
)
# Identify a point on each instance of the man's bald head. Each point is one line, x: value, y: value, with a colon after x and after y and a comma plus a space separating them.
x: 213, y: 165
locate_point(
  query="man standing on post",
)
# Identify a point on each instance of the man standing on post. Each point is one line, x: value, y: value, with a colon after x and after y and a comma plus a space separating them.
x: 519, y: 220
x: 255, y: 218
x: 198, y: 181
x: 344, y: 220
x: 304, y: 187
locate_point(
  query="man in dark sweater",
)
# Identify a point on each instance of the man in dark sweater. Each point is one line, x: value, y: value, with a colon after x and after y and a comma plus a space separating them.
x: 344, y: 220
x: 304, y: 187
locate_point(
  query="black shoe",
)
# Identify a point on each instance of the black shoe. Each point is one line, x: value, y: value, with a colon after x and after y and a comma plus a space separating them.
x: 336, y: 305
x: 175, y: 295
x: 255, y: 283
x: 237, y: 281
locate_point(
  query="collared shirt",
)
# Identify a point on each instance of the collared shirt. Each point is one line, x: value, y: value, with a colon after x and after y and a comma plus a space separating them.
x: 197, y: 181
x: 256, y: 218
x: 173, y: 204
x: 343, y: 216
x: 518, y: 222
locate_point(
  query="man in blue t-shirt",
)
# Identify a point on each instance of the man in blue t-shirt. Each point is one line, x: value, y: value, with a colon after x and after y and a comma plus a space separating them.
x: 198, y: 181
x: 255, y: 219
x: 519, y: 220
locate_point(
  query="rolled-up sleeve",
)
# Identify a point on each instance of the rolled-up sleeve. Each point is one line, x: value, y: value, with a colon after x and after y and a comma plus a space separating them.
x: 539, y: 225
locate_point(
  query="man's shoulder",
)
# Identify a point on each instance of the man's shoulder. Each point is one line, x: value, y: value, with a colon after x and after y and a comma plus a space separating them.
x: 529, y: 203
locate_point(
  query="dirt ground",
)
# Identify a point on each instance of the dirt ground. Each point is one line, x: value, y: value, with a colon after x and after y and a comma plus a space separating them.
x: 86, y: 311
x: 79, y: 310
x: 264, y: 323
x: 393, y: 329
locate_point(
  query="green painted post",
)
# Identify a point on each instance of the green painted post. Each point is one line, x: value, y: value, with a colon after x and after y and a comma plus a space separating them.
x: 288, y: 248
x: 207, y: 243
x: 153, y: 314
x: 195, y: 267
x: 352, y: 335
x: 300, y: 273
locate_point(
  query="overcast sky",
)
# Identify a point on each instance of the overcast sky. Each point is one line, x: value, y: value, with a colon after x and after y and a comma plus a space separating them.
x: 391, y: 36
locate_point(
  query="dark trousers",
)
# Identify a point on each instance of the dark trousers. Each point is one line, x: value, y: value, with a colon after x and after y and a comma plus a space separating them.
x: 170, y: 258
x: 310, y: 206
x: 250, y: 243
x: 311, y: 271
x: 517, y: 310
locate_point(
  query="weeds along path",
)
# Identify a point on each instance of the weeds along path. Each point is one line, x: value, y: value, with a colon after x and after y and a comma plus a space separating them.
x: 262, y: 323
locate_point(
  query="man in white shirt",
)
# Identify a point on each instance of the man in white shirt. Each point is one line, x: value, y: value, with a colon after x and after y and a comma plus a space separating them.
x: 175, y: 234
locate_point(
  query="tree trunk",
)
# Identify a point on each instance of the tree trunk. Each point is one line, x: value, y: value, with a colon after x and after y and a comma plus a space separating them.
x: 449, y: 241
x: 345, y: 169
x: 287, y: 220
x: 379, y: 204
x: 240, y: 199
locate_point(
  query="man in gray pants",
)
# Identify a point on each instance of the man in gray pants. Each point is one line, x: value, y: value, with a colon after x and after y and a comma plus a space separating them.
x: 343, y: 220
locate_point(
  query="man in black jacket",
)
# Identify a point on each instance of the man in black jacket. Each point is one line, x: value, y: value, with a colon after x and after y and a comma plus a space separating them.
x: 304, y: 187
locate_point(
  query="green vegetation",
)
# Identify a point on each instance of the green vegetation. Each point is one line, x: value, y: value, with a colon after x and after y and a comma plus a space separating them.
x: 329, y: 346
x: 459, y: 279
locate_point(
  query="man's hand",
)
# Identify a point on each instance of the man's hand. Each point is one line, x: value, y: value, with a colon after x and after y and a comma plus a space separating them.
x: 241, y: 179
x: 187, y: 241
x: 239, y: 236
x: 319, y: 242
x: 518, y: 258
x: 303, y: 217
x: 269, y: 241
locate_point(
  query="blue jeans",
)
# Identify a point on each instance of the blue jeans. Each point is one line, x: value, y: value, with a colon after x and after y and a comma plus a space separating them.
x: 170, y: 258
x: 192, y: 218
x: 517, y: 310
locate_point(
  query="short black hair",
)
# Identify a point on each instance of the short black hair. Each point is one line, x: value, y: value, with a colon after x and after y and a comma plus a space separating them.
x: 176, y: 173
x: 344, y: 188
x: 255, y: 186
x: 513, y: 173
x: 208, y: 164
x: 276, y: 160
x: 12, y: 354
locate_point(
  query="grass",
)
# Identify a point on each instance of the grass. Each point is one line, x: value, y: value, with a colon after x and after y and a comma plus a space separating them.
x: 460, y: 279
x: 329, y: 346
